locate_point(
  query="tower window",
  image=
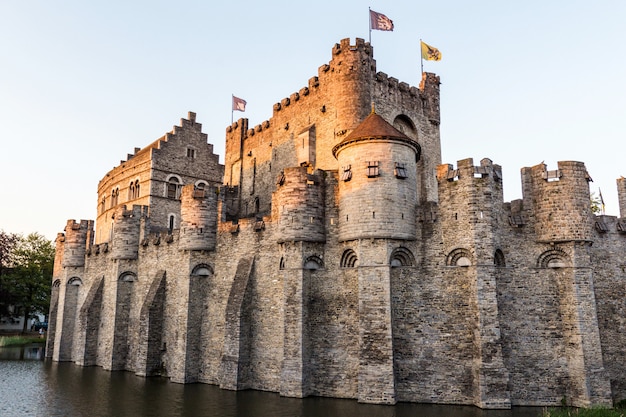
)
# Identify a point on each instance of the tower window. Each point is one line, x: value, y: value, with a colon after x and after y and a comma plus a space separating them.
x: 173, y: 188
x: 170, y: 222
x: 346, y: 175
x: 372, y: 169
x: 400, y: 170
x: 115, y: 193
x: 191, y: 153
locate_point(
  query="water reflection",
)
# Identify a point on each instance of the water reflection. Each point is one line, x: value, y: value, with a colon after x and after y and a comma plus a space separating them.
x: 45, y: 388
x: 28, y: 352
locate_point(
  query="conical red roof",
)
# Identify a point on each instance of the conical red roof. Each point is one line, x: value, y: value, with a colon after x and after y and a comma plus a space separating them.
x: 375, y: 127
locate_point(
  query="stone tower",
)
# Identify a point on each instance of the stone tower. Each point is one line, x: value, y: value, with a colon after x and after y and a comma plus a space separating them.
x: 561, y: 204
x: 471, y: 203
x: 377, y: 204
x: 198, y: 214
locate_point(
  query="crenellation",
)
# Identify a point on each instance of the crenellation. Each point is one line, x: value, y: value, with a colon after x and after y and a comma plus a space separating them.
x: 333, y: 254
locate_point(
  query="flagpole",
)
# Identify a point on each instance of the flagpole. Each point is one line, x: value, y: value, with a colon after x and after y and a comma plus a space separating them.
x: 369, y: 19
x: 232, y: 110
x: 421, y: 58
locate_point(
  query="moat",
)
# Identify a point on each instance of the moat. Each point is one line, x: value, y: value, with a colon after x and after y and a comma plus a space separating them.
x: 31, y: 386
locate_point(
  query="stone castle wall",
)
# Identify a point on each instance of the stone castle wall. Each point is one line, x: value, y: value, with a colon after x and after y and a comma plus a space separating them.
x: 432, y: 290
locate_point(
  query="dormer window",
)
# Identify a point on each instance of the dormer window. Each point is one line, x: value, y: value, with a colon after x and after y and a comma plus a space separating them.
x: 372, y: 169
x: 346, y: 175
x: 400, y: 170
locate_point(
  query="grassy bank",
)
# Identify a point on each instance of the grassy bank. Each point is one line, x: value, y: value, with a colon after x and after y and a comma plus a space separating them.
x: 20, y: 340
x: 618, y: 411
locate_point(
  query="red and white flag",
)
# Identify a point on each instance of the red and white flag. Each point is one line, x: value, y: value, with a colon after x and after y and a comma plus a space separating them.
x: 239, y: 104
x: 379, y: 21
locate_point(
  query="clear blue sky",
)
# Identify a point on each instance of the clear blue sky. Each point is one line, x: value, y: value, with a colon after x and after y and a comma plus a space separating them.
x: 84, y: 83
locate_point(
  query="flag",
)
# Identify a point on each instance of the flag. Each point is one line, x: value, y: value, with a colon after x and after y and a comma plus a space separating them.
x: 239, y: 104
x: 379, y: 21
x: 601, y: 200
x: 429, y: 53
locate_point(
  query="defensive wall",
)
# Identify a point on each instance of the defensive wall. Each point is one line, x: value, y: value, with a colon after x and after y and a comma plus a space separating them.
x: 406, y: 280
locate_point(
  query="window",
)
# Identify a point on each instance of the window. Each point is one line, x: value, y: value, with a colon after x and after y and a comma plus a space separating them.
x: 173, y: 188
x: 102, y: 205
x: 400, y: 170
x: 372, y: 169
x: 115, y: 193
x: 137, y: 189
x: 133, y: 190
x: 346, y: 175
x: 170, y: 222
x: 191, y: 153
x: 348, y: 259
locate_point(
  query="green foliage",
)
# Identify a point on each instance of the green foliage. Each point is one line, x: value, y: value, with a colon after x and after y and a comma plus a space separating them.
x: 25, y: 282
x: 6, y: 341
x: 596, y: 204
x: 584, y: 412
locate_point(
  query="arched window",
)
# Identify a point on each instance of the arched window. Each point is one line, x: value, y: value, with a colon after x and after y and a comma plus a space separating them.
x: 115, y: 193
x: 128, y: 277
x: 102, y: 205
x: 405, y: 125
x: 201, y: 185
x: 401, y: 257
x: 202, y: 270
x: 173, y: 188
x: 348, y: 259
x: 75, y: 281
x: 459, y: 257
x: 553, y: 258
x: 313, y: 262
x: 133, y: 190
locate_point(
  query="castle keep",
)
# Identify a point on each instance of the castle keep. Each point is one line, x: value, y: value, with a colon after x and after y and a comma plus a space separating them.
x: 334, y: 255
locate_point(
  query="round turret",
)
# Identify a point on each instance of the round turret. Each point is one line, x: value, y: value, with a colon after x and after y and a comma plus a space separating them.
x: 75, y: 244
x: 198, y: 213
x: 562, y: 202
x: 300, y: 202
x: 377, y: 182
x: 126, y: 231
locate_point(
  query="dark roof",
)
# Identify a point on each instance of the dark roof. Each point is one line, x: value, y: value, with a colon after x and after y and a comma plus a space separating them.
x: 375, y: 127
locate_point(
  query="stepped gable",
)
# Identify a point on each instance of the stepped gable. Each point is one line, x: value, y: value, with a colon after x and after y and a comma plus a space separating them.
x: 374, y: 127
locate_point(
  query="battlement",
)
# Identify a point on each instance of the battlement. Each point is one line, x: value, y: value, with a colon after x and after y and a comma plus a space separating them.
x: 122, y: 212
x: 560, y: 200
x: 299, y: 202
x: 77, y: 237
x: 359, y: 50
x: 198, y: 228
x: 466, y: 169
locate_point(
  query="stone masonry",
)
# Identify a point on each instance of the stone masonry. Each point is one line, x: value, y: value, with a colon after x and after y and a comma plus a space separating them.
x: 333, y: 254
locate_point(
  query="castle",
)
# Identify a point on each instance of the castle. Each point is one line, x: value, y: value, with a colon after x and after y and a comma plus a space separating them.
x: 334, y: 255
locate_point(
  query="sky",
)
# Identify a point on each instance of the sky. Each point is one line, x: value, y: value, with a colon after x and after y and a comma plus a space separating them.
x: 84, y: 83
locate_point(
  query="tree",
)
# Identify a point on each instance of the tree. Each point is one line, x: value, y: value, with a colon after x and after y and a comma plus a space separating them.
x: 7, y: 244
x: 27, y: 283
x: 596, y: 204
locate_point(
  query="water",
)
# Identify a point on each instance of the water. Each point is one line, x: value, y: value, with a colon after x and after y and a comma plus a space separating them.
x: 31, y: 386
